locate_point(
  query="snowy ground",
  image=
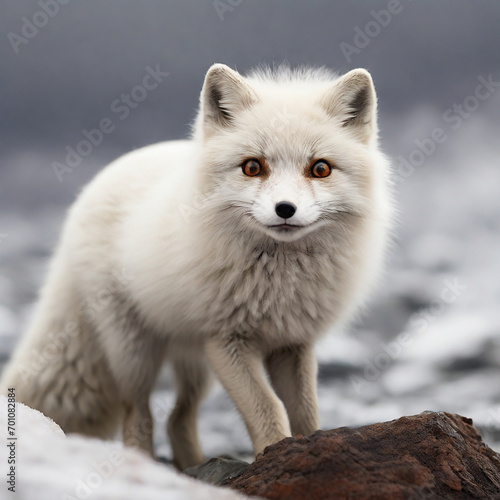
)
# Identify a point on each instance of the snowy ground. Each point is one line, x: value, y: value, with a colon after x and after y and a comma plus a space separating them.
x: 431, y: 338
x: 98, y: 470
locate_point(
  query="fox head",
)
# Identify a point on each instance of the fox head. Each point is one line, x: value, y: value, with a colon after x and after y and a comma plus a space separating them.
x: 288, y: 154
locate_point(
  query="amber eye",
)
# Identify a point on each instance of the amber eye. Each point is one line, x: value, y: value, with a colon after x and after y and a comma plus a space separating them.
x: 321, y: 169
x: 251, y: 168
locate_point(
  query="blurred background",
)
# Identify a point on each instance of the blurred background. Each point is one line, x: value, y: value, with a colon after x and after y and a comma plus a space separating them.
x: 430, y: 339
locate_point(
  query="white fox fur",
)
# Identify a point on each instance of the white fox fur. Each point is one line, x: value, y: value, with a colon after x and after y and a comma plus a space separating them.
x: 169, y: 254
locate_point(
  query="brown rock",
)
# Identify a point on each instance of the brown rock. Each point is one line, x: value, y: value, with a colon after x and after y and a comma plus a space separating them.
x: 427, y: 456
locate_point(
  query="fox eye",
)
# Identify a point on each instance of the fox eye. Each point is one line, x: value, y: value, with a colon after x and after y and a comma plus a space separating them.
x: 251, y: 168
x: 321, y: 169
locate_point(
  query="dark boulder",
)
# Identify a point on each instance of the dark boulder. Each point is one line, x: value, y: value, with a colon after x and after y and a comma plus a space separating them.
x: 427, y: 456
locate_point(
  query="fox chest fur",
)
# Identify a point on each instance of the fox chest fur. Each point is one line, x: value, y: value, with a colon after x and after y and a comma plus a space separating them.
x: 272, y: 296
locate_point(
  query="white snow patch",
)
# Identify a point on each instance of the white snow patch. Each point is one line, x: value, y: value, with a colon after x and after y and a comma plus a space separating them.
x: 341, y: 348
x: 52, y: 467
x: 453, y: 336
x: 403, y: 379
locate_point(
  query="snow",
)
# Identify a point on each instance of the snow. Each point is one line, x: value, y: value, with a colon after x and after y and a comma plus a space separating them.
x: 472, y: 333
x: 52, y: 466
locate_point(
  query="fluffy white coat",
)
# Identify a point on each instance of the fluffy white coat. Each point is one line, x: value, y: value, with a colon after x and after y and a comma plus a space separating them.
x: 172, y: 252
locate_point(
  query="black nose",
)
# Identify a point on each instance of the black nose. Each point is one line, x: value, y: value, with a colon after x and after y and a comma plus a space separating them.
x: 285, y: 209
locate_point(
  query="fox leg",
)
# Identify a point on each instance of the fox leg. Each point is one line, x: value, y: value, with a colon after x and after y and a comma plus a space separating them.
x: 138, y: 426
x: 135, y: 356
x: 240, y: 369
x: 293, y: 372
x: 193, y: 379
x: 138, y: 422
x: 135, y: 379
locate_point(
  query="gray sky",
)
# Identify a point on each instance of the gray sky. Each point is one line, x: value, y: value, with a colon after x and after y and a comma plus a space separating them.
x: 63, y: 70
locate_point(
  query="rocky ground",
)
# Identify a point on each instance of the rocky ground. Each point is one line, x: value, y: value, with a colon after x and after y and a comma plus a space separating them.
x: 431, y: 455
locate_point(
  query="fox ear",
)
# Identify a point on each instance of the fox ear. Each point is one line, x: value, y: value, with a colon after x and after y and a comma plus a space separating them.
x: 353, y: 101
x: 224, y: 94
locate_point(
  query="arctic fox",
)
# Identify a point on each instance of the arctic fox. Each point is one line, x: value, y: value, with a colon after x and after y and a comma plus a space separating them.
x: 231, y: 252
